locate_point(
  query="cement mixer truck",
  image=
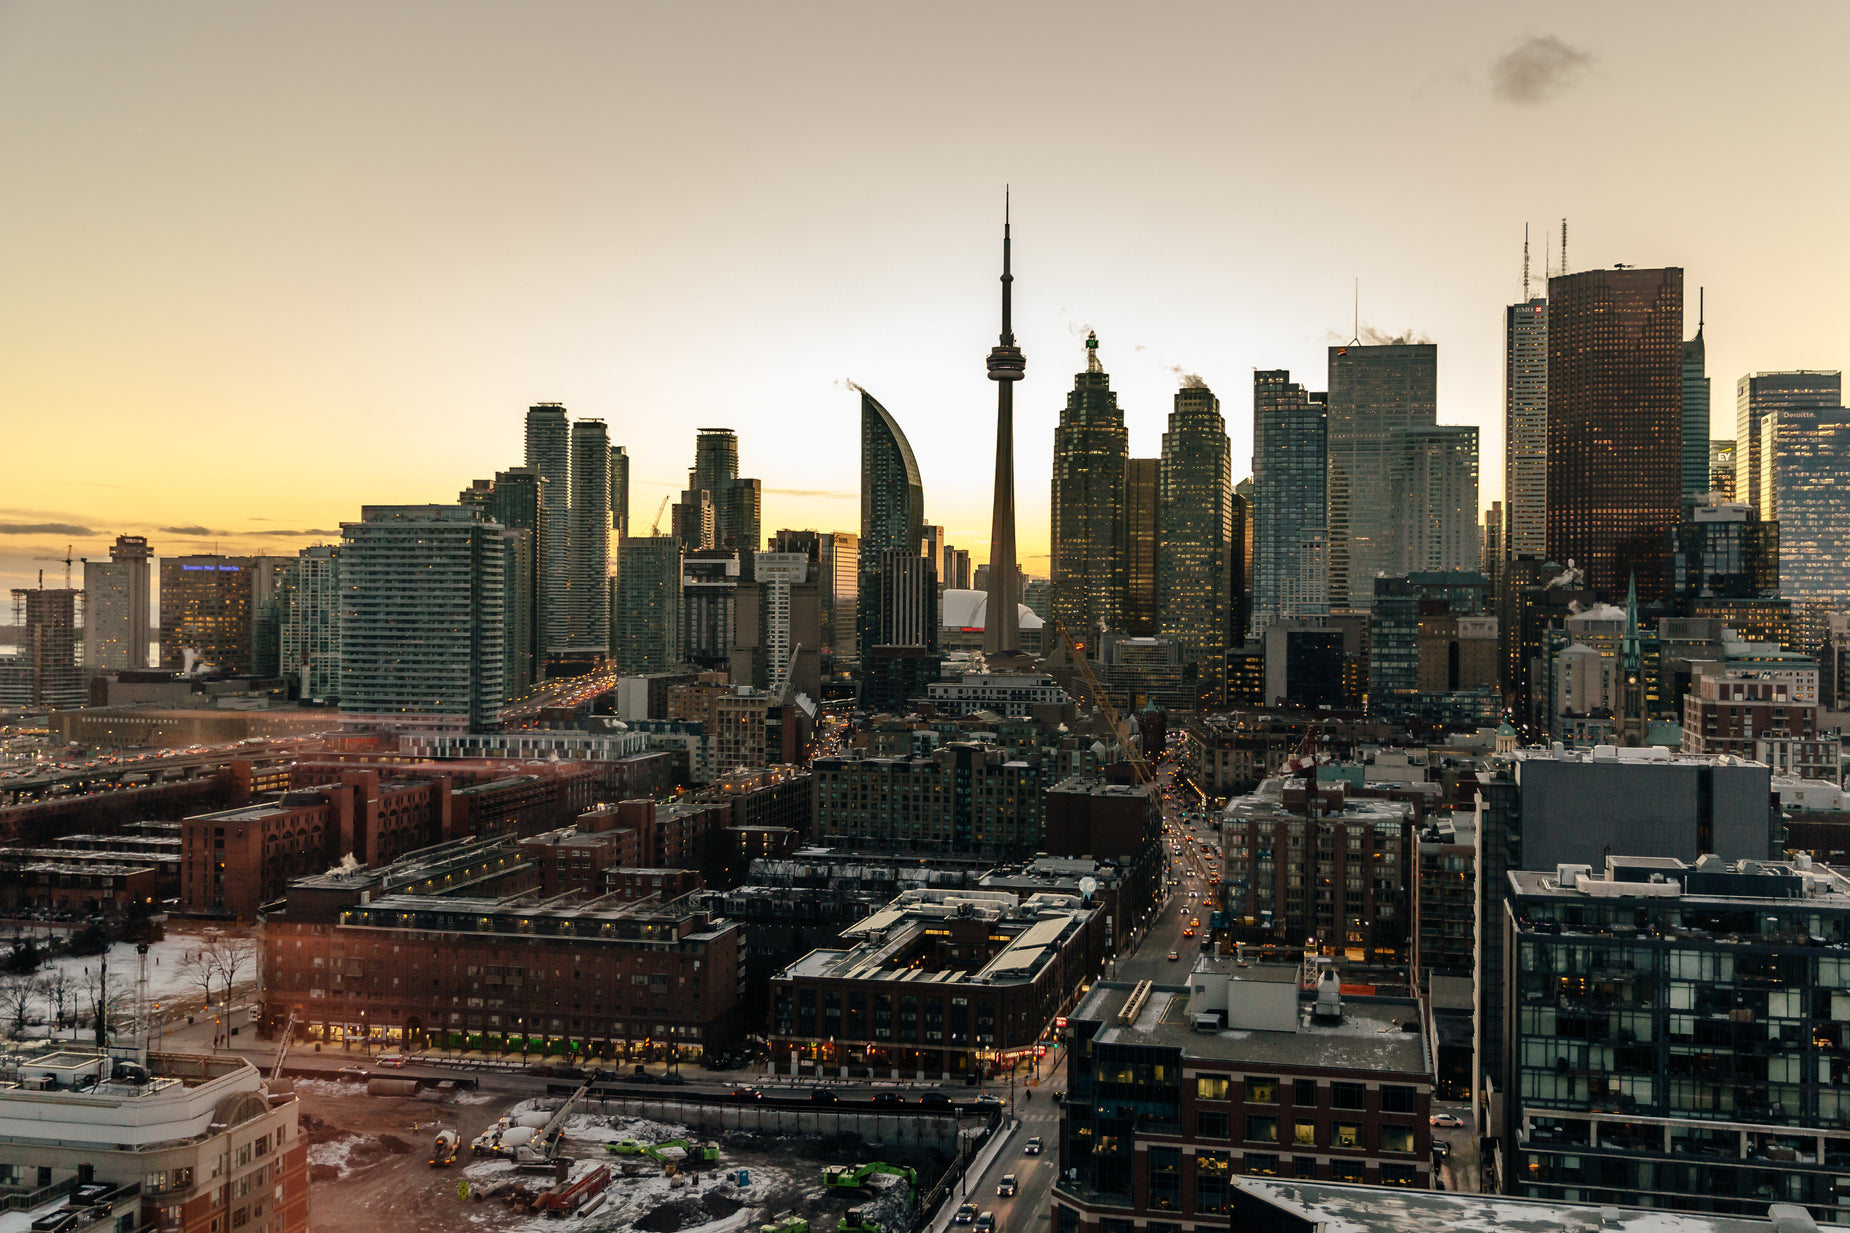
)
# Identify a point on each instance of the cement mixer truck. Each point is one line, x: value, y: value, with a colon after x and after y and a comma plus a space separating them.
x: 443, y: 1151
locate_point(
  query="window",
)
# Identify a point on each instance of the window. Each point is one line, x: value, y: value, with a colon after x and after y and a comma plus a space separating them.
x: 1211, y: 1087
x: 1303, y: 1166
x: 1262, y: 1130
x: 1304, y: 1134
x: 1397, y: 1138
x: 1345, y: 1095
x: 1396, y: 1099
x: 1346, y: 1171
x: 1264, y: 1166
x: 1262, y: 1091
x: 1210, y: 1125
x: 1346, y: 1134
x: 1304, y: 1093
x: 1398, y: 1175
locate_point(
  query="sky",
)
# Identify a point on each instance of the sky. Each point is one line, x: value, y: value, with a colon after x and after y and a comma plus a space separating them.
x: 263, y: 264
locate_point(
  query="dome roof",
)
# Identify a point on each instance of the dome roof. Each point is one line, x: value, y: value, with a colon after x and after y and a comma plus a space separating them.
x: 968, y: 609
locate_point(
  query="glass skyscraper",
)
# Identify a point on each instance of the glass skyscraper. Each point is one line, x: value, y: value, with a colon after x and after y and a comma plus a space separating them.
x: 1695, y: 419
x: 1289, y: 485
x: 1090, y: 449
x: 549, y: 452
x: 1374, y: 391
x: 1805, y: 465
x: 588, y: 589
x: 1615, y: 424
x: 1196, y: 503
x: 649, y: 636
x: 311, y: 621
x: 1142, y: 535
x: 1434, y: 471
x: 1525, y: 428
x: 1756, y: 396
x: 892, y: 509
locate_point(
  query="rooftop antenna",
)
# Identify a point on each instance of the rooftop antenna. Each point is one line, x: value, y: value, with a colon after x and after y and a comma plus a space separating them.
x: 1357, y: 340
x: 1564, y: 247
x: 1525, y: 263
x: 1700, y: 295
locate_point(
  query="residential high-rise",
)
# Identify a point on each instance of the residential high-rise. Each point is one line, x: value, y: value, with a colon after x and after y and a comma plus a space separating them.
x: 1142, y: 540
x: 1493, y: 545
x: 266, y: 575
x: 737, y: 503
x: 1721, y: 468
x: 778, y: 629
x: 1090, y: 450
x: 46, y: 621
x: 116, y: 606
x: 516, y: 499
x: 311, y: 622
x: 619, y: 492
x: 1757, y: 395
x: 909, y: 603
x: 710, y: 579
x: 1374, y: 391
x: 892, y: 509
x: 649, y: 635
x: 1695, y: 415
x: 1805, y: 487
x: 1289, y: 485
x: 1239, y: 582
x: 1615, y: 423
x: 206, y: 608
x: 1525, y: 428
x: 587, y: 591
x: 549, y: 454
x: 1433, y: 473
x: 1006, y: 366
x: 423, y: 618
x: 835, y: 558
x: 1197, y: 532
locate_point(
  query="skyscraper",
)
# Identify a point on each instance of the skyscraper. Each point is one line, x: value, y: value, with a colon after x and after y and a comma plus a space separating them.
x: 1695, y: 415
x: 1756, y: 396
x: 648, y: 604
x: 1374, y: 391
x: 1615, y: 423
x: 266, y: 576
x: 1721, y: 467
x: 1525, y: 428
x: 835, y: 559
x: 423, y: 618
x: 1197, y: 531
x: 206, y: 607
x: 737, y: 503
x: 587, y: 590
x: 515, y: 499
x: 1435, y: 520
x: 549, y: 453
x: 1142, y: 536
x: 1090, y: 450
x: 1289, y: 483
x: 46, y: 621
x: 1805, y: 483
x: 116, y: 606
x: 619, y: 492
x: 892, y: 508
x: 310, y: 633
x: 1001, y: 629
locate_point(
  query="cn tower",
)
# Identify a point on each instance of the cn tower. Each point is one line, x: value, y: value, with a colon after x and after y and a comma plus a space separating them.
x: 1001, y: 627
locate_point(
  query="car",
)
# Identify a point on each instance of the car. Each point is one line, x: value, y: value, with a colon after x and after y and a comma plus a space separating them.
x: 672, y: 1078
x: 986, y: 1101
x: 747, y: 1093
x: 359, y: 1073
x: 395, y: 1061
x: 889, y: 1098
x: 1195, y: 923
x: 986, y: 1223
x: 823, y: 1096
x: 1006, y: 1188
x: 1032, y: 1147
x: 934, y: 1098
x: 1174, y: 955
x: 1446, y: 1119
x: 965, y: 1214
x: 1188, y: 933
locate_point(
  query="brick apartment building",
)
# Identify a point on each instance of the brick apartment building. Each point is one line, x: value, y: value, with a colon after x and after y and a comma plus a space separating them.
x: 1763, y: 718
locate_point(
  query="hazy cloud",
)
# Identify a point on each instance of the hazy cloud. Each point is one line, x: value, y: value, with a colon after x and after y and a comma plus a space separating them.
x: 1190, y: 381
x: 43, y: 528
x: 824, y: 494
x: 309, y: 531
x: 205, y: 531
x: 1536, y: 69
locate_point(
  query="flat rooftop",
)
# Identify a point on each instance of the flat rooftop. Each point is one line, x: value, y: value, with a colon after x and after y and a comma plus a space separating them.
x: 1369, y: 1036
x: 1340, y: 1208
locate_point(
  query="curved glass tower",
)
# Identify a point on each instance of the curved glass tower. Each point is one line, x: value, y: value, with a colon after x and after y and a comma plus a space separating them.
x: 892, y: 507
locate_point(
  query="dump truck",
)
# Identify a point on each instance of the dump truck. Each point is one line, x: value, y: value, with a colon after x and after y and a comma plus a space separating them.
x: 565, y: 1199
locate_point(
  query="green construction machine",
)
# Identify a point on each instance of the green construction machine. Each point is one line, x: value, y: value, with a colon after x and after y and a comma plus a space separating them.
x: 851, y: 1176
x: 694, y: 1153
x: 786, y: 1224
x: 858, y: 1221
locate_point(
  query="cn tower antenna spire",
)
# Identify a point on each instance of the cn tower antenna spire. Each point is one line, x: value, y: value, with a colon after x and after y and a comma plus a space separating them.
x: 1001, y: 624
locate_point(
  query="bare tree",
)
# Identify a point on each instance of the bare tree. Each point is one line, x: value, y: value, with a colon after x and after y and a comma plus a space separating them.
x: 60, y: 991
x: 18, y: 995
x: 197, y: 967
x: 231, y: 958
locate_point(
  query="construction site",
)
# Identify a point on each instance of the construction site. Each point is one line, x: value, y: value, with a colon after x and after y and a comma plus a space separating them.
x: 391, y: 1153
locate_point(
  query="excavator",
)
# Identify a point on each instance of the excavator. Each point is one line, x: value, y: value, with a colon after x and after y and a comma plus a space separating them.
x: 850, y: 1176
x: 692, y: 1153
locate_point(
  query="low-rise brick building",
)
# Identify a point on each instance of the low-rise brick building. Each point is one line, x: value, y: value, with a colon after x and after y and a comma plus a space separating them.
x: 964, y: 799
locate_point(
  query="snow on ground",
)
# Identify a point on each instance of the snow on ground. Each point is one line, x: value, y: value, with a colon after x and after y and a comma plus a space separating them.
x: 338, y: 1153
x: 328, y: 1087
x: 167, y: 981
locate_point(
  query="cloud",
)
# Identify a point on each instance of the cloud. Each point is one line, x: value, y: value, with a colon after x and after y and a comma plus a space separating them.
x: 1536, y: 69
x: 43, y: 528
x: 309, y: 531
x: 822, y: 494
x: 191, y: 531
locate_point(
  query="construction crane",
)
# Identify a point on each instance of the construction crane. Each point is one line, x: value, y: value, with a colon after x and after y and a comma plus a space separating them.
x: 67, y: 558
x: 655, y: 528
x: 282, y: 1050
x: 1139, y: 765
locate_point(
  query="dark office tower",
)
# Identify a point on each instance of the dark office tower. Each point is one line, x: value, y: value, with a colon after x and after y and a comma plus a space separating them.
x: 1001, y: 628
x: 835, y: 562
x: 116, y: 606
x: 1289, y: 483
x: 1805, y: 484
x: 1374, y: 391
x: 515, y: 499
x: 549, y: 454
x: 619, y: 492
x: 692, y: 520
x: 1090, y: 450
x: 892, y: 508
x: 716, y: 459
x: 649, y: 580
x: 1142, y: 541
x: 422, y: 618
x: 267, y: 575
x: 1238, y: 584
x: 931, y: 544
x: 909, y: 604
x: 1525, y: 428
x: 1756, y: 397
x: 1615, y: 424
x: 1721, y: 468
x: 710, y: 584
x: 206, y: 608
x: 45, y: 622
x: 1695, y: 416
x: 1243, y: 547
x: 1196, y: 510
x: 739, y: 521
x: 587, y: 590
x: 1433, y: 512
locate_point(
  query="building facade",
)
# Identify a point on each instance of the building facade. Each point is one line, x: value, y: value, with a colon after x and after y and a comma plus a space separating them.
x: 649, y: 637
x: 1525, y: 427
x: 1374, y: 392
x: 1290, y: 483
x: 1433, y: 472
x: 963, y: 799
x: 549, y: 455
x: 1193, y: 565
x: 206, y: 607
x: 117, y: 595
x: 310, y: 634
x: 1090, y: 449
x: 892, y: 508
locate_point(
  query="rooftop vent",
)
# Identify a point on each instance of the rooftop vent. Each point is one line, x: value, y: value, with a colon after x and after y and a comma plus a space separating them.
x: 1791, y: 1218
x: 1329, y: 1007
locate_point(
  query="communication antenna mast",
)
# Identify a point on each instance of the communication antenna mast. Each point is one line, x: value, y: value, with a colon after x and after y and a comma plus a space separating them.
x: 1564, y: 247
x: 1525, y: 263
x: 1357, y: 340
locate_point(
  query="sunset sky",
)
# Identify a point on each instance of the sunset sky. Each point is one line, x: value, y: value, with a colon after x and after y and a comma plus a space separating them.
x: 265, y: 263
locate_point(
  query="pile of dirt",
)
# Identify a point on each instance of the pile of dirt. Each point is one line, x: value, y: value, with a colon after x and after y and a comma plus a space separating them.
x: 320, y: 1130
x: 688, y: 1211
x: 323, y: 1173
x: 393, y: 1144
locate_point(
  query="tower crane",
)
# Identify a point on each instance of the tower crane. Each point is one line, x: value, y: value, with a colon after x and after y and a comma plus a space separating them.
x: 1139, y: 765
x: 655, y: 528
